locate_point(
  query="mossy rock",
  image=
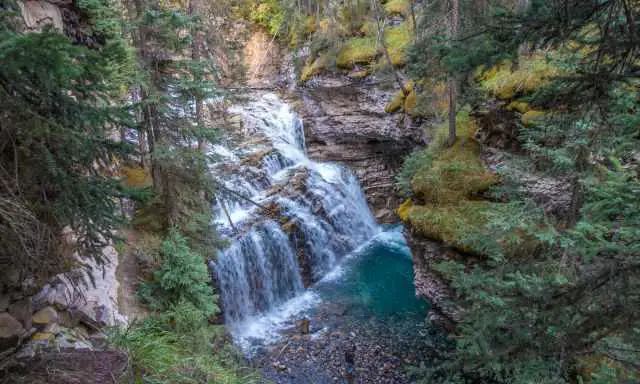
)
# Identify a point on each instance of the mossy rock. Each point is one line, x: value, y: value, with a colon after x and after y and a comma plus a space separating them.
x: 310, y: 25
x: 315, y: 67
x: 359, y: 74
x: 399, y: 99
x: 410, y: 103
x: 397, y: 7
x: 450, y: 223
x: 532, y: 117
x: 520, y: 106
x: 396, y: 103
x: 356, y: 51
x: 456, y: 173
x: 404, y: 210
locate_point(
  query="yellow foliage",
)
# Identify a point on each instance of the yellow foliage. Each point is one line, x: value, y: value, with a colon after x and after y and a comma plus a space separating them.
x: 410, y: 103
x: 404, y: 210
x: 136, y: 177
x: 317, y: 66
x: 397, y: 7
x: 398, y: 100
x: 310, y: 25
x: 357, y: 50
x: 530, y: 117
x: 505, y: 83
x: 397, y: 40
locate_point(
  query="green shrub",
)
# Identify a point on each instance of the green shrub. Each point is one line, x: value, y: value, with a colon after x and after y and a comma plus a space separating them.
x: 268, y: 14
x: 180, y: 279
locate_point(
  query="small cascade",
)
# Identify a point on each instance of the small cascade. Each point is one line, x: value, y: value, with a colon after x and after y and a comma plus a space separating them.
x: 312, y: 213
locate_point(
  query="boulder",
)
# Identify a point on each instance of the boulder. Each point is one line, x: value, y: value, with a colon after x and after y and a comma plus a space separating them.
x: 303, y: 326
x: 11, y: 331
x: 38, y: 14
x: 44, y: 317
x: 22, y: 311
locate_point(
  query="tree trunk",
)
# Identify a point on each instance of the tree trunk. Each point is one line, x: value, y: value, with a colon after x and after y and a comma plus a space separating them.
x: 195, y: 55
x: 453, y: 33
x: 413, y: 19
x: 452, y: 110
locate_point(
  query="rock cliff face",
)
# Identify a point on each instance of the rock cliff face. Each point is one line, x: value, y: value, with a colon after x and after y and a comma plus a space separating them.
x: 345, y: 123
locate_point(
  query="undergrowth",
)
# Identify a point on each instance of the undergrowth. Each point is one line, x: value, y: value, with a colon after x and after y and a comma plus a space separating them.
x: 159, y: 354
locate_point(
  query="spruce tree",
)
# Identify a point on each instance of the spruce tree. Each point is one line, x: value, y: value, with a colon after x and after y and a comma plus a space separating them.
x: 60, y: 112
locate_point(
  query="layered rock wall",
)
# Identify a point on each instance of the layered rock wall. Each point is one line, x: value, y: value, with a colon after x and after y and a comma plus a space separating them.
x: 345, y: 123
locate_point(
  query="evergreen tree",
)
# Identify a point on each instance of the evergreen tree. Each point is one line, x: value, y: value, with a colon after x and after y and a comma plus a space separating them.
x: 59, y: 115
x: 178, y: 78
x: 549, y: 296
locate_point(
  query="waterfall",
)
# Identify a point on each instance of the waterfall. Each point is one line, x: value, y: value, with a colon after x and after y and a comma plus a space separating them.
x: 317, y: 213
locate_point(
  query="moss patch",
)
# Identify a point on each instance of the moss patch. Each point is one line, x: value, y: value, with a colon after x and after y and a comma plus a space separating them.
x: 404, y: 210
x: 399, y: 100
x: 397, y: 7
x: 410, y: 103
x: 136, y: 177
x: 358, y: 50
x: 531, y: 117
x: 520, y: 106
x: 447, y: 183
x: 397, y: 40
x: 317, y: 66
x: 505, y: 83
x: 450, y: 223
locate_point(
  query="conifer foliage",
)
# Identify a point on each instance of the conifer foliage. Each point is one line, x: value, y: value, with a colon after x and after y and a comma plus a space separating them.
x: 57, y: 125
x: 556, y: 299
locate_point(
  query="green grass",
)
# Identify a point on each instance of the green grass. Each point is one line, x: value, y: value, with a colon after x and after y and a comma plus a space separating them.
x: 160, y: 355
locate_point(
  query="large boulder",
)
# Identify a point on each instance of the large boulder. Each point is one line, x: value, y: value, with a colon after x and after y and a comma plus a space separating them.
x: 91, y: 295
x: 39, y: 14
x: 11, y: 332
x: 22, y: 310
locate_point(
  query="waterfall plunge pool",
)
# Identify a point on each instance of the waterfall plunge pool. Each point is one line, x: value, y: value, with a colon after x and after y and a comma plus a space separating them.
x: 367, y: 303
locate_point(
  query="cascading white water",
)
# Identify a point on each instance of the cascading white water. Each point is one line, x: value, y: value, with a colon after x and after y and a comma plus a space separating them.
x: 322, y: 215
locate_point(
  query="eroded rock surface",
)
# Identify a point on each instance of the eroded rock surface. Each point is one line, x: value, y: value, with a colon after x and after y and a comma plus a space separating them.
x: 345, y: 122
